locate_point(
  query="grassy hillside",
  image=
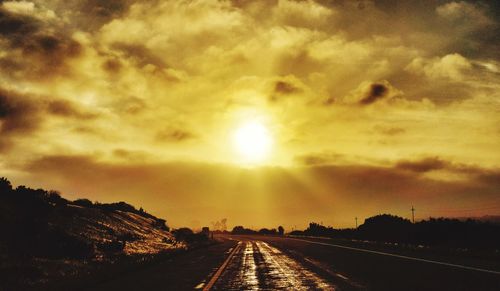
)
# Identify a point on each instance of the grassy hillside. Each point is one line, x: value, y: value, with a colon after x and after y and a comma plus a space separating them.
x: 46, y: 238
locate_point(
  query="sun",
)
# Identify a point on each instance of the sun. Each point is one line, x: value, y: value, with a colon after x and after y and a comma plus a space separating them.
x: 252, y: 141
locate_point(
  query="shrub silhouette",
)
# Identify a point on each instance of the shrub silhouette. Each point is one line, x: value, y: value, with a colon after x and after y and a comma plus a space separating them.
x: 241, y: 230
x: 187, y: 235
x: 182, y: 233
x: 267, y: 231
x: 83, y: 203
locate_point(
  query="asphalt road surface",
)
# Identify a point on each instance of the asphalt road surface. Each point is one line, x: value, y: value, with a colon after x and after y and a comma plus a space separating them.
x: 257, y: 265
x: 282, y: 263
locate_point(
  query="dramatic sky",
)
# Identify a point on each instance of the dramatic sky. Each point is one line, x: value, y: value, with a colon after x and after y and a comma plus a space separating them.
x: 366, y: 107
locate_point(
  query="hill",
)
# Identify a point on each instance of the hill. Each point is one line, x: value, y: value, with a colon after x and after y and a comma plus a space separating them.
x: 46, y: 236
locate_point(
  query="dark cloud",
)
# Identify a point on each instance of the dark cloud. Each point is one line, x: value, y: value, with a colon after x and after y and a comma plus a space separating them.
x: 17, y: 114
x: 21, y: 114
x: 130, y: 155
x: 180, y: 189
x: 66, y: 108
x: 284, y: 87
x: 37, y: 49
x: 318, y: 159
x: 389, y: 130
x: 423, y: 166
x: 375, y: 92
x: 90, y: 15
x: 174, y: 135
x: 112, y: 66
x: 474, y: 174
x: 15, y: 26
x: 106, y: 9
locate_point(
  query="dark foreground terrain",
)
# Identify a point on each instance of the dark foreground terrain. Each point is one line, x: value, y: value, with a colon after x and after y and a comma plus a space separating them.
x: 286, y: 263
x: 51, y: 243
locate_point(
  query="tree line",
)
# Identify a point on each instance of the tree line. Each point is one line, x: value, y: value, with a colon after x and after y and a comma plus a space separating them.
x: 445, y: 232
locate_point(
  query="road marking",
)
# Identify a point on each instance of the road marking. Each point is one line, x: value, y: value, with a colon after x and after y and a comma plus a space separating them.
x: 400, y: 256
x: 199, y: 286
x: 217, y: 274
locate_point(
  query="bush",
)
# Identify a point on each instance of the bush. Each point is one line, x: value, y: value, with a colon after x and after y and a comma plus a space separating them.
x: 241, y: 230
x: 83, y: 203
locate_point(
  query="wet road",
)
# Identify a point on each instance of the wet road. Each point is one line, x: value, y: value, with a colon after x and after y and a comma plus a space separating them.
x: 256, y: 265
x: 284, y: 263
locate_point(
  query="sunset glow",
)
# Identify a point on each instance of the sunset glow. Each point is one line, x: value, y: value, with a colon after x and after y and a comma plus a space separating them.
x: 255, y: 111
x: 252, y: 141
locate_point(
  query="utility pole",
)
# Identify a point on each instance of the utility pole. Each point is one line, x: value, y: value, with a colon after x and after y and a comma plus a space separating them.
x: 412, y: 214
x: 356, y: 218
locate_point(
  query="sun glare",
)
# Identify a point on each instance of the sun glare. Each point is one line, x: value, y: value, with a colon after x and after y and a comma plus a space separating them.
x: 252, y: 141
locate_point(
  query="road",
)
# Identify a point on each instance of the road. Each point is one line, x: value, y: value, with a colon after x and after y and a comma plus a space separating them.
x: 283, y: 263
x: 256, y: 265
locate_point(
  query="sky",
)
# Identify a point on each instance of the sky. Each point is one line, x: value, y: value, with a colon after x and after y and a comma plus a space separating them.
x: 266, y: 113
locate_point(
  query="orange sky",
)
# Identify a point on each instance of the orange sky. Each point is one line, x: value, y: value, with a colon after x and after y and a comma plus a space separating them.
x: 362, y: 107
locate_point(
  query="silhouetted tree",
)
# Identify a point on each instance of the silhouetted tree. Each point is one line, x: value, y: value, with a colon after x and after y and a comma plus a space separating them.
x: 386, y: 227
x: 267, y: 231
x: 5, y: 186
x: 281, y: 230
x: 241, y: 230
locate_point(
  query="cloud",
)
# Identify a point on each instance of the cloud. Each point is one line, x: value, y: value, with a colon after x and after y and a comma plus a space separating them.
x: 17, y: 116
x: 403, y: 79
x: 286, y: 86
x: 319, y: 159
x: 16, y: 25
x: 139, y: 54
x: 422, y: 166
x: 368, y: 93
x: 22, y: 114
x: 171, y: 134
x: 466, y: 15
x: 28, y: 9
x: 33, y: 47
x: 283, y: 87
x: 453, y: 67
x: 66, y: 108
x: 389, y: 130
x: 302, y: 13
x: 179, y: 190
x: 17, y: 113
x: 130, y: 105
x: 377, y: 91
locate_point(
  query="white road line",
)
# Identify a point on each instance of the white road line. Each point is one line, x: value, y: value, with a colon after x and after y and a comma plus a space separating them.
x: 400, y: 256
x: 217, y: 274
